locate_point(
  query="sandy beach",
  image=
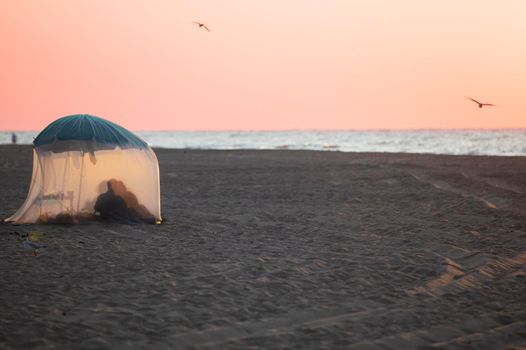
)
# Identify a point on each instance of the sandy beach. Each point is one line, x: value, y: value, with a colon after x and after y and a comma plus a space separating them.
x: 283, y: 250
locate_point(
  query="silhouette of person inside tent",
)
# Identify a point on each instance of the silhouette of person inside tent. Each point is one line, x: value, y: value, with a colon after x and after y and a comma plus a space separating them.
x: 112, y: 207
x: 115, y: 205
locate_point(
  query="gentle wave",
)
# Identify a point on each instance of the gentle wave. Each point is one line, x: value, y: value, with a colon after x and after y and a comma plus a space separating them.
x: 459, y: 142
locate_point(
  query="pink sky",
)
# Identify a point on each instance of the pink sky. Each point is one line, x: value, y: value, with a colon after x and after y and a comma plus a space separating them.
x: 272, y: 64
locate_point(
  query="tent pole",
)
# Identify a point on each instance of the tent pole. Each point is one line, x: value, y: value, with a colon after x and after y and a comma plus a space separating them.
x: 43, y: 185
x: 63, y: 181
x: 80, y: 181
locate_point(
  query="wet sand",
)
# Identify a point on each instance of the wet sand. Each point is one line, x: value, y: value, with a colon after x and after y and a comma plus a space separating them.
x: 281, y: 249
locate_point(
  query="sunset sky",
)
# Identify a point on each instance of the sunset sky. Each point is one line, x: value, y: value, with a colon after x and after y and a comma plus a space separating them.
x: 265, y: 65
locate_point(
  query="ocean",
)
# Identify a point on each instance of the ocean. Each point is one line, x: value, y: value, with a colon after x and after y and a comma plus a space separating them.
x: 460, y: 142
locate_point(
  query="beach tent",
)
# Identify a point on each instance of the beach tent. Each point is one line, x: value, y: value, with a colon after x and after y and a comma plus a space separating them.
x: 84, y: 169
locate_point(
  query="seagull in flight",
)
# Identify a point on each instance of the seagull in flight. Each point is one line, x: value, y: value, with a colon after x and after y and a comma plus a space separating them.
x: 202, y: 25
x: 480, y: 103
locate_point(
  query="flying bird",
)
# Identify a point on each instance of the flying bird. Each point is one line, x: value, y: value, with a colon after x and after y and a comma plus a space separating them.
x: 202, y: 25
x: 480, y: 103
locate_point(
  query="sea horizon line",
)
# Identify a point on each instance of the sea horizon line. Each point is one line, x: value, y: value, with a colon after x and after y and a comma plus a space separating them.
x: 310, y: 130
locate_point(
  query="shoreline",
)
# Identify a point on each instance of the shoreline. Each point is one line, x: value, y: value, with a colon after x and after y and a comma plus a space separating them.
x: 277, y: 149
x: 458, y: 142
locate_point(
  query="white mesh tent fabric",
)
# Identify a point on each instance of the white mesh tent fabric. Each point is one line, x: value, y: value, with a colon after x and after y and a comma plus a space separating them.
x: 78, y: 162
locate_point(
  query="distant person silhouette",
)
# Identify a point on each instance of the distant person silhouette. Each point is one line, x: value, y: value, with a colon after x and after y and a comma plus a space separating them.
x: 14, y: 138
x: 113, y: 208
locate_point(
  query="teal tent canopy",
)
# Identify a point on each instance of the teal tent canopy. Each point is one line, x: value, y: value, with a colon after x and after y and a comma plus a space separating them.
x: 82, y: 128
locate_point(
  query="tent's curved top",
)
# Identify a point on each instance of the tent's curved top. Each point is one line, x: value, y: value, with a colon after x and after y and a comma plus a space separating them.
x: 85, y: 127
